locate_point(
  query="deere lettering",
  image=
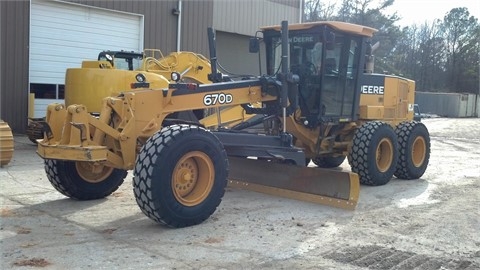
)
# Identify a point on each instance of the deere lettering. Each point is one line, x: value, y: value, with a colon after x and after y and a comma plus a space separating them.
x: 372, y: 89
x: 301, y: 39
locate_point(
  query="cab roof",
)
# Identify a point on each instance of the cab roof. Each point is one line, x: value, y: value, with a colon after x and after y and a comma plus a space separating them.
x: 340, y: 26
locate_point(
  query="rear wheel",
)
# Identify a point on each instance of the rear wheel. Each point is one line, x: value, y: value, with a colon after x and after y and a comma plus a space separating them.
x: 414, y: 144
x: 328, y: 162
x: 374, y: 153
x: 83, y: 180
x: 180, y: 175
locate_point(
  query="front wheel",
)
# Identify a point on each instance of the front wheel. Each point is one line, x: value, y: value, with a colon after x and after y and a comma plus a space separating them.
x: 374, y: 153
x: 180, y: 175
x: 83, y: 180
x: 414, y: 143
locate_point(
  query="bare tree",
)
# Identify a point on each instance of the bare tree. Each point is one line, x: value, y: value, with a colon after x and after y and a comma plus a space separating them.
x: 461, y: 32
x: 317, y: 10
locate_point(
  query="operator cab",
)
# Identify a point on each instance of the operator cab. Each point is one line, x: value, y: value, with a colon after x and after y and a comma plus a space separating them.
x: 328, y: 59
x: 122, y: 59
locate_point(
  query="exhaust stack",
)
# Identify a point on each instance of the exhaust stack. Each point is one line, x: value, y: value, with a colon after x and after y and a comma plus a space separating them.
x: 370, y: 58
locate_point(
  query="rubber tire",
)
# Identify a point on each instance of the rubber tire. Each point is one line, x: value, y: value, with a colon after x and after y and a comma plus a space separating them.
x: 408, y: 133
x: 328, y: 162
x: 65, y: 179
x: 153, y: 175
x: 362, y: 155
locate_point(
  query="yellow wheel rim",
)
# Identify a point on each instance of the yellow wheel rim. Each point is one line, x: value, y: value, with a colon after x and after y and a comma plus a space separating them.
x: 93, y: 172
x: 419, y: 148
x: 193, y: 178
x: 384, y: 155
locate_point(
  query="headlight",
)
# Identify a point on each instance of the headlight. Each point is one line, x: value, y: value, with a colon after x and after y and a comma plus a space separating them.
x: 175, y: 76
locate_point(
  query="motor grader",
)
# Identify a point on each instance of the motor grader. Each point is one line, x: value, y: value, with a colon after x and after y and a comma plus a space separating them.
x: 320, y: 102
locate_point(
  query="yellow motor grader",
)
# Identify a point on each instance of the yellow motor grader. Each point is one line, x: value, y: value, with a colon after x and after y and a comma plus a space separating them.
x: 320, y: 103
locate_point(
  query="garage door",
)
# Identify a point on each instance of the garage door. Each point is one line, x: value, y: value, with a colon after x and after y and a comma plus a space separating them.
x: 63, y: 34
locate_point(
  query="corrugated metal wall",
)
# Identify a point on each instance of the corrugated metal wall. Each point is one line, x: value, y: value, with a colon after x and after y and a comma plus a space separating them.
x: 237, y: 20
x: 197, y: 16
x: 246, y: 16
x: 233, y: 55
x: 14, y: 27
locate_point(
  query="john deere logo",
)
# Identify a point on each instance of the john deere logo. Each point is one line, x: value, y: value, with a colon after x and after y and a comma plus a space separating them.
x: 301, y: 39
x: 372, y: 89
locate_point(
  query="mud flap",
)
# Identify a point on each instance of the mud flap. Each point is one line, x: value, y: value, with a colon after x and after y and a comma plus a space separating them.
x: 324, y: 186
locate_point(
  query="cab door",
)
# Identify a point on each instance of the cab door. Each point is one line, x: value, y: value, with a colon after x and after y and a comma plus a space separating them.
x: 339, y: 76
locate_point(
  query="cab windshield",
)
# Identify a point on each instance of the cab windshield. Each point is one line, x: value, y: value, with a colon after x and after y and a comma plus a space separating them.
x: 327, y: 68
x: 305, y: 53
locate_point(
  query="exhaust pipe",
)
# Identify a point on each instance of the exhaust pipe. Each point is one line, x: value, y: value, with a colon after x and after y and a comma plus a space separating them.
x: 370, y: 58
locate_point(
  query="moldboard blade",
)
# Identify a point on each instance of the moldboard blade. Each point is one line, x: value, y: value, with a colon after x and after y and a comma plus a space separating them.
x: 324, y: 186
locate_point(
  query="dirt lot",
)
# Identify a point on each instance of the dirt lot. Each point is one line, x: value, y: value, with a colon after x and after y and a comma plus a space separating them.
x: 430, y: 223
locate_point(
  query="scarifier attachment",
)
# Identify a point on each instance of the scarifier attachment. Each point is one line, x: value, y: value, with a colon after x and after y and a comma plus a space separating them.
x: 324, y: 186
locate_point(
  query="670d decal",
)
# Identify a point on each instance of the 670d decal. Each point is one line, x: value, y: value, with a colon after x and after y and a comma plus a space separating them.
x: 214, y: 99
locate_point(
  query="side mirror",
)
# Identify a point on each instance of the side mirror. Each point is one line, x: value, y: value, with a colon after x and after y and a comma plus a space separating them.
x: 254, y: 45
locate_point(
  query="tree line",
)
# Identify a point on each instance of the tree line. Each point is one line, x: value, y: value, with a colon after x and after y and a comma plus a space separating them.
x: 441, y: 56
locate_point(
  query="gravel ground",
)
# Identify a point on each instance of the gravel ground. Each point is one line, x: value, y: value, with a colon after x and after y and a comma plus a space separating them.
x: 430, y: 223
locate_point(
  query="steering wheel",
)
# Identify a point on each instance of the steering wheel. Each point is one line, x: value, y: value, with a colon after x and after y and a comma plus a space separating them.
x: 311, y: 66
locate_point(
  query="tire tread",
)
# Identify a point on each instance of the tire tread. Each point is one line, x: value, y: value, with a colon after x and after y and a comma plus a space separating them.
x: 62, y: 177
x: 405, y: 169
